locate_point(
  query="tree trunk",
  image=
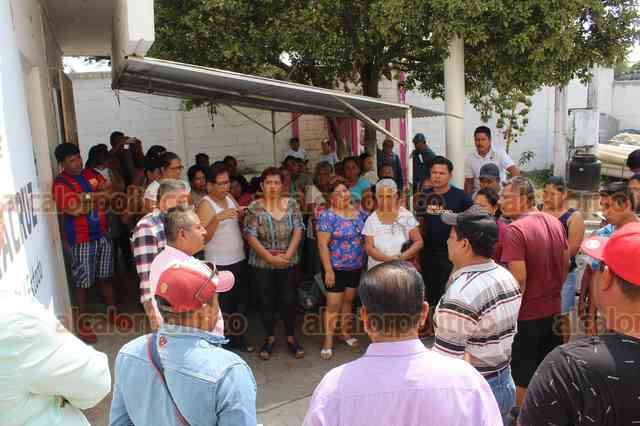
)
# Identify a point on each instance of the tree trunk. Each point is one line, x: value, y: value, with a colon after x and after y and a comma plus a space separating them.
x: 509, y: 135
x: 370, y: 81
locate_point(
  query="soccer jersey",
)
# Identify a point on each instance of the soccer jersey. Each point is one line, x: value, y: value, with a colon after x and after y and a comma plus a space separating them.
x: 66, y: 192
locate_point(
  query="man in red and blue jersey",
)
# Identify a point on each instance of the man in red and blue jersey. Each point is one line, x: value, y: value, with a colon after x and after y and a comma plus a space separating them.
x: 82, y: 197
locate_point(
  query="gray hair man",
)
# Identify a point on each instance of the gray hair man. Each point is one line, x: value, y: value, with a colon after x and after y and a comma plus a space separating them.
x: 149, y: 239
x: 399, y: 381
x: 185, y: 237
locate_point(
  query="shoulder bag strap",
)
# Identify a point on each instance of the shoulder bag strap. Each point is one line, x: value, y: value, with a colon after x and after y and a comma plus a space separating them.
x: 154, y: 358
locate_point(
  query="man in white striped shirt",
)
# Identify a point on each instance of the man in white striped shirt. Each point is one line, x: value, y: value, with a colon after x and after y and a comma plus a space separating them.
x: 476, y: 318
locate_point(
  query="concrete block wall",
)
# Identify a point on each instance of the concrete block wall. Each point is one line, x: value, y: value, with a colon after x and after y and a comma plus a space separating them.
x: 161, y: 120
x: 230, y: 133
x: 312, y: 130
x: 148, y: 117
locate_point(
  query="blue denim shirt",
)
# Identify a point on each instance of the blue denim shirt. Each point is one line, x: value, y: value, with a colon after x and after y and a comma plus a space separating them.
x: 209, y: 384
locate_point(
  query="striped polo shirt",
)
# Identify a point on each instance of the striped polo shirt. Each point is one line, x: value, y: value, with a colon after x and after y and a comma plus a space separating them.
x: 478, y: 316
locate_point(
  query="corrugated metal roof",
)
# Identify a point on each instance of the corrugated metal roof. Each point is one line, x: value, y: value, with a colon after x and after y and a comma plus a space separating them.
x: 174, y: 79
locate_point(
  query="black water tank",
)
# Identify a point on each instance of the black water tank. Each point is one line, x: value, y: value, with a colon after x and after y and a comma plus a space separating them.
x: 584, y: 172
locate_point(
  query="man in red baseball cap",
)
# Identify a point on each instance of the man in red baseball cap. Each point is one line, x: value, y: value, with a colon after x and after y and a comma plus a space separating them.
x: 597, y: 379
x: 182, y: 375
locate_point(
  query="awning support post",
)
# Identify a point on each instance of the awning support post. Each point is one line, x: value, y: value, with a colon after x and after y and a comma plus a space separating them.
x: 289, y: 123
x: 248, y: 117
x: 408, y: 119
x: 364, y: 117
x: 273, y: 136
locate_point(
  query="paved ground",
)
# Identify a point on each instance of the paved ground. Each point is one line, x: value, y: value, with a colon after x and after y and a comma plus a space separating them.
x: 284, y: 384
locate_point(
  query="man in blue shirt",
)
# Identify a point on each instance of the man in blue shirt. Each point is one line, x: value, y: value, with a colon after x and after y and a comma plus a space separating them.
x: 430, y: 204
x: 182, y: 375
x: 422, y: 157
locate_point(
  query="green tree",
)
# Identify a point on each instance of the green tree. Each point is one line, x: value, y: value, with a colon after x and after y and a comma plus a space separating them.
x: 512, y: 47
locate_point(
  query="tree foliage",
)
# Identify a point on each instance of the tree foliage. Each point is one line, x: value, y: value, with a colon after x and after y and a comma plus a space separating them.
x: 512, y: 47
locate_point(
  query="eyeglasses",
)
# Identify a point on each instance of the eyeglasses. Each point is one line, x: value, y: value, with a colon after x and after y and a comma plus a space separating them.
x: 223, y: 183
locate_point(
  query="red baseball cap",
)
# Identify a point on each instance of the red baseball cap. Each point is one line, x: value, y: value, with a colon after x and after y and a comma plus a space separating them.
x: 620, y: 252
x: 188, y: 285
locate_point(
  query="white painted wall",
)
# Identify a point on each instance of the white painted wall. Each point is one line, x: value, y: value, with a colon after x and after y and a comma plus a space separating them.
x: 538, y: 136
x: 618, y: 99
x: 626, y: 107
x: 31, y: 257
x: 161, y: 120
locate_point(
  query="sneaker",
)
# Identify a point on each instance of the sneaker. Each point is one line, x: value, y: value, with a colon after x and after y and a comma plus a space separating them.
x: 86, y: 333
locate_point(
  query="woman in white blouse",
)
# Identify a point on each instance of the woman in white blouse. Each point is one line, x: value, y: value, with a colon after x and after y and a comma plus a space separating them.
x: 391, y: 232
x: 224, y: 247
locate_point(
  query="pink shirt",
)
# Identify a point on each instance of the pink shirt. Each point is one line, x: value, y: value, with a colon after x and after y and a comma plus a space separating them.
x: 403, y: 383
x: 162, y: 261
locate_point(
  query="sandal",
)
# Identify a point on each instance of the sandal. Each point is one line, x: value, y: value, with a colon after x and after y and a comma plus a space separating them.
x: 296, y: 350
x: 326, y: 354
x: 266, y: 350
x: 350, y: 341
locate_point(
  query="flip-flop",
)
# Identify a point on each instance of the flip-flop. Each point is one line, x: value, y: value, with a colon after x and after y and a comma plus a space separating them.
x: 266, y: 350
x: 352, y: 342
x: 326, y: 354
x: 296, y: 350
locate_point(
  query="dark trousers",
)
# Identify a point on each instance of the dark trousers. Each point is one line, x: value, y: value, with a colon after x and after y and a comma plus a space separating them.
x: 123, y: 243
x: 436, y: 269
x: 277, y: 290
x: 233, y: 303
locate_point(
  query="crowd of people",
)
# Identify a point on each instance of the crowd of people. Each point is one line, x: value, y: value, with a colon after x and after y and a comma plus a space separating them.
x: 484, y: 270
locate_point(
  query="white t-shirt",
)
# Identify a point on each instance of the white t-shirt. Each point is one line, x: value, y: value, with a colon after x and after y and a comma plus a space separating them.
x: 300, y: 153
x: 313, y: 196
x: 226, y: 247
x: 151, y: 193
x: 474, y: 162
x: 331, y: 158
x: 389, y: 238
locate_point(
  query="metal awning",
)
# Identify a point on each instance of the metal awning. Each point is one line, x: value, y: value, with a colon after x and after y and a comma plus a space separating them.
x: 178, y: 80
x: 174, y: 79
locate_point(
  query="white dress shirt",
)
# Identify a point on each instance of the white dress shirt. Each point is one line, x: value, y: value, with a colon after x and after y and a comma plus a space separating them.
x: 474, y: 162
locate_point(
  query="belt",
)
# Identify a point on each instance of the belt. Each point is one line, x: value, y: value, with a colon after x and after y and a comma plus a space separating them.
x: 496, y: 373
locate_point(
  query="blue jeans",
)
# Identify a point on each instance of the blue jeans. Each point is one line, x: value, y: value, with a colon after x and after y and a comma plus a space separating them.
x: 504, y: 389
x: 568, y: 293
